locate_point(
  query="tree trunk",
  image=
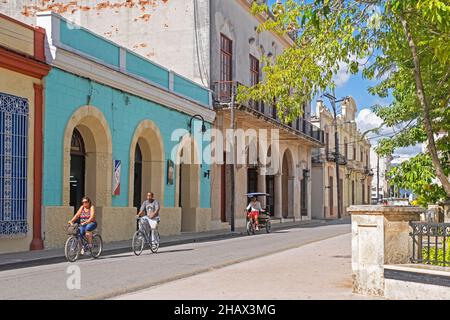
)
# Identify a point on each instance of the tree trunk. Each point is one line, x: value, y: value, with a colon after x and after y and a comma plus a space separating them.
x: 420, y: 91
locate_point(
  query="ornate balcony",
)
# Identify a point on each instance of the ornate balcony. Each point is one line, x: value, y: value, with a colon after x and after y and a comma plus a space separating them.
x: 222, y: 98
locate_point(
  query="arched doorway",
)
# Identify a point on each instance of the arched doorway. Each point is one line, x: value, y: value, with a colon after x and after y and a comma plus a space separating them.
x: 270, y: 183
x: 77, y: 169
x: 146, y: 164
x: 287, y: 180
x: 93, y: 128
x: 252, y: 167
x: 137, y: 196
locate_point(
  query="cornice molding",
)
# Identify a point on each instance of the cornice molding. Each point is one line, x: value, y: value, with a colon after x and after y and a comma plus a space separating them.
x: 87, y: 68
x: 25, y: 65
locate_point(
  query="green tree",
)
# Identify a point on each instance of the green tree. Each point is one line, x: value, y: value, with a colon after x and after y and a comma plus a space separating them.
x: 404, y: 44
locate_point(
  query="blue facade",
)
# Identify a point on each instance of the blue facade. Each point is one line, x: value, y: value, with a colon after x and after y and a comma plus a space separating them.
x: 66, y: 92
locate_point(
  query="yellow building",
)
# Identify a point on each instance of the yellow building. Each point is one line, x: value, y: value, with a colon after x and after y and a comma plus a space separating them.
x: 355, y: 174
x: 22, y: 67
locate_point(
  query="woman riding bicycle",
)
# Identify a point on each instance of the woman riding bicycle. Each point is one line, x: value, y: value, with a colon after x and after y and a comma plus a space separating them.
x: 88, y: 223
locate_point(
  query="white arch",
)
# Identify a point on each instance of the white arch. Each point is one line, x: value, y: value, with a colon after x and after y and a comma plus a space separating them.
x: 94, y: 128
x: 151, y: 142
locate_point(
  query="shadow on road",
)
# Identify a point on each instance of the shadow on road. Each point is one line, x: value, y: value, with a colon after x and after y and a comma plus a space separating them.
x: 146, y: 252
x: 114, y: 253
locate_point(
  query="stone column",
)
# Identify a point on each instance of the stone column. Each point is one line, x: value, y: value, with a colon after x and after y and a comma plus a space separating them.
x: 380, y: 236
x: 297, y: 199
x: 292, y: 196
x: 278, y: 196
x: 262, y: 186
x: 446, y: 208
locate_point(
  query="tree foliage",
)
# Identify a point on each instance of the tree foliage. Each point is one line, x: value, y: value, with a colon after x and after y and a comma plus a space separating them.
x: 402, y: 44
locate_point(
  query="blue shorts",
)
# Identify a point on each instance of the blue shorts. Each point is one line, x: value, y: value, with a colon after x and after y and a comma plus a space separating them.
x: 88, y: 227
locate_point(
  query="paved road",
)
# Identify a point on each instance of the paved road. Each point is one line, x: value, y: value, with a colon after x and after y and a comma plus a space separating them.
x: 124, y: 273
x: 319, y: 270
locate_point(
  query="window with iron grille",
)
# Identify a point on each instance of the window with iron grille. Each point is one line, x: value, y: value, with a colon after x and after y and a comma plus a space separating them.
x: 226, y: 59
x: 303, y: 197
x: 353, y: 192
x: 346, y: 148
x: 13, y: 164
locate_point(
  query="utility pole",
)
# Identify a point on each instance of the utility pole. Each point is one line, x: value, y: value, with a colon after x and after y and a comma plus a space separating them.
x: 378, y: 178
x: 233, y: 153
x: 336, y: 151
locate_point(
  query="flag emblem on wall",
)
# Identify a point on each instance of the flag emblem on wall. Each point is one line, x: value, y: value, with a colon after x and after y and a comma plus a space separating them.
x: 116, y: 177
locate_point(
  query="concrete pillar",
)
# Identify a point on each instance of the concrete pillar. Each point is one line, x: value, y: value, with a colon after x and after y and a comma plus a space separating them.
x: 446, y: 206
x: 292, y: 195
x: 278, y: 196
x: 262, y: 186
x: 380, y: 236
x: 297, y: 199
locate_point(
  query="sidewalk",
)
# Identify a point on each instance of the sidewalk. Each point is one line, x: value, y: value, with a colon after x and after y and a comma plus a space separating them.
x: 32, y: 258
x: 319, y: 270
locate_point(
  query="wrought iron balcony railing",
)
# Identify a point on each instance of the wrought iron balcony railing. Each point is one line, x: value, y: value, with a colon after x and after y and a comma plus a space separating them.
x: 331, y: 156
x: 223, y: 91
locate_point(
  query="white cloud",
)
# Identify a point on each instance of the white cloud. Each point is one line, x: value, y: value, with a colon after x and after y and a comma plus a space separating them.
x: 367, y: 120
x: 343, y: 74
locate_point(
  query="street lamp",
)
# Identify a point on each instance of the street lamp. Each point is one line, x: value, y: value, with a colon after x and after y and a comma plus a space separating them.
x: 198, y: 117
x: 336, y: 152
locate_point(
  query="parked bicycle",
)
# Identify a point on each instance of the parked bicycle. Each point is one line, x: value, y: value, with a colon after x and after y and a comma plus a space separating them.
x: 76, y: 243
x: 143, y: 238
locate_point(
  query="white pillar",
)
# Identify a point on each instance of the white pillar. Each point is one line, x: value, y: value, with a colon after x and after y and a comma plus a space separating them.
x: 292, y: 195
x: 278, y: 196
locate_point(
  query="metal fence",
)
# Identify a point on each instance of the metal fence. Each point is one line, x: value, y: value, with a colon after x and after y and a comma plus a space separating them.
x: 13, y: 164
x: 431, y: 243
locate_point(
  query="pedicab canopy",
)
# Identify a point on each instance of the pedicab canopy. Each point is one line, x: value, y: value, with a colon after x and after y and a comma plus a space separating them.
x: 257, y: 194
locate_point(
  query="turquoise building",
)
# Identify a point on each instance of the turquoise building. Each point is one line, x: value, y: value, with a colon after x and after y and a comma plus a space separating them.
x: 117, y: 126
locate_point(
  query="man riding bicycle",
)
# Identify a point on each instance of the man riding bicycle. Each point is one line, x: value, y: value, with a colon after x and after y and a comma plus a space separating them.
x: 150, y: 210
x: 253, y: 209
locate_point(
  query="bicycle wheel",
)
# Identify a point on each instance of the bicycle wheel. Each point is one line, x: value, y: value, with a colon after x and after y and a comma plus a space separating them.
x: 155, y: 244
x: 72, y: 249
x: 268, y: 226
x: 250, y: 228
x: 97, y: 246
x: 138, y: 243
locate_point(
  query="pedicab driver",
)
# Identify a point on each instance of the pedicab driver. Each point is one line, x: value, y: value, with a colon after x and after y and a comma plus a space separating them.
x: 150, y: 211
x: 254, y: 207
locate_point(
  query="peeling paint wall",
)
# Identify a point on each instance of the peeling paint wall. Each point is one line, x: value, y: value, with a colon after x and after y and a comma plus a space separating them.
x: 161, y: 30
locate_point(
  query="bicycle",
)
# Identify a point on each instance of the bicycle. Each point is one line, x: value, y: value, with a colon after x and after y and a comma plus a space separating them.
x: 263, y: 223
x: 76, y: 242
x: 143, y: 237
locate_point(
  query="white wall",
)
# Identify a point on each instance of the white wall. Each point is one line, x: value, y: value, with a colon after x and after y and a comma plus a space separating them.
x: 162, y: 31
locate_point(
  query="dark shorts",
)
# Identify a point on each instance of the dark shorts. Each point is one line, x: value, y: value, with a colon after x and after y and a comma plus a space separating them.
x: 88, y: 227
